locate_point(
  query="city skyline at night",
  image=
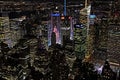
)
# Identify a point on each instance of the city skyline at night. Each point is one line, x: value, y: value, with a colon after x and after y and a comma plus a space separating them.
x: 59, y: 40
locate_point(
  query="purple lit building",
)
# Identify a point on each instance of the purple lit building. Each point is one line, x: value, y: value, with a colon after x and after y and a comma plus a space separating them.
x: 54, y: 27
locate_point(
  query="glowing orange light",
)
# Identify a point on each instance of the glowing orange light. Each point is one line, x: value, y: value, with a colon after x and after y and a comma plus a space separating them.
x: 62, y: 17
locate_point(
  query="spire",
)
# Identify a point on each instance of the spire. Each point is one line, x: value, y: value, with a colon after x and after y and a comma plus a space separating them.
x: 64, y: 7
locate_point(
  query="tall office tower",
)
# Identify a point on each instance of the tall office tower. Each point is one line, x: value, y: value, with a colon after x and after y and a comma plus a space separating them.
x: 5, y: 34
x: 113, y: 47
x: 80, y: 40
x: 101, y: 27
x: 54, y: 27
x: 81, y: 34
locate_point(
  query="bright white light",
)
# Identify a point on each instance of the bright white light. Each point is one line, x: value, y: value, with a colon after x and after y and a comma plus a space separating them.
x: 99, y: 69
x: 56, y: 7
x: 24, y: 78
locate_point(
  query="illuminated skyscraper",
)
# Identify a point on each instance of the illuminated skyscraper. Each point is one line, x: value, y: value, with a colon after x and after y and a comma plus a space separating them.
x: 101, y: 27
x: 81, y: 33
x: 54, y: 27
x: 80, y: 40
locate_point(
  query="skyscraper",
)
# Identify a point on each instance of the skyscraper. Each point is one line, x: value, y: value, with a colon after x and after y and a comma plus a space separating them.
x: 54, y: 27
x: 101, y: 27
